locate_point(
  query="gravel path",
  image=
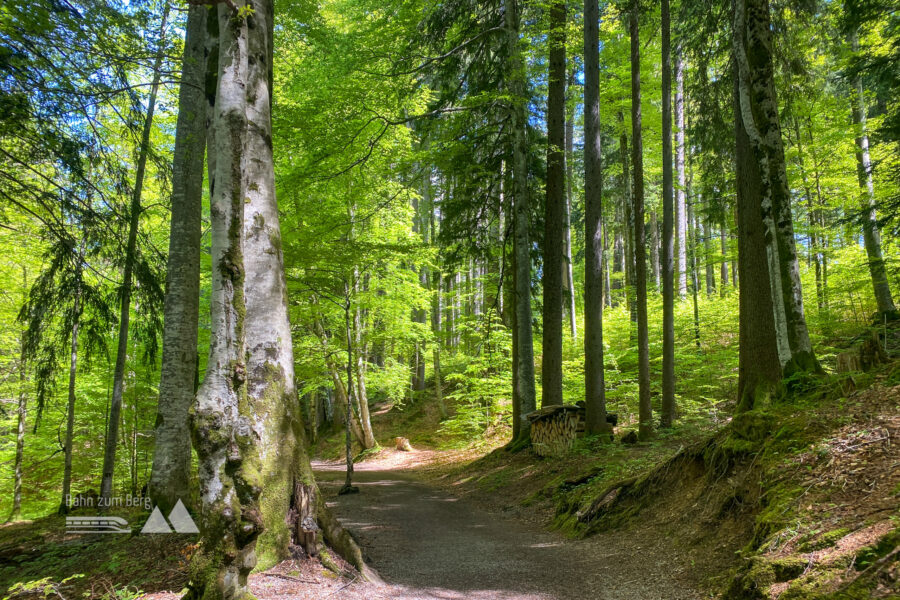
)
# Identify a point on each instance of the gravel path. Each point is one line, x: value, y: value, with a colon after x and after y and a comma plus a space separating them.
x: 429, y: 545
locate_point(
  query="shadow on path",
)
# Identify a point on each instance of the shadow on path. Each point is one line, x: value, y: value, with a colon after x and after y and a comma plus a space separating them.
x: 430, y: 545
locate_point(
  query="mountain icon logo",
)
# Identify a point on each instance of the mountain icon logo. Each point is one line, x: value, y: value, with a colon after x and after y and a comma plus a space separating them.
x: 179, y: 518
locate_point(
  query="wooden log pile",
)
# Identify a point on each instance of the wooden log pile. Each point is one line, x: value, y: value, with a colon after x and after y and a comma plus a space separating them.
x: 554, y: 429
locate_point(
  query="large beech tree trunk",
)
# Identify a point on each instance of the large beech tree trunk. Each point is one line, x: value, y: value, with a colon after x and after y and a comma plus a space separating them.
x: 289, y: 494
x: 115, y: 405
x: 554, y: 209
x: 645, y: 409
x: 225, y: 429
x: 524, y: 372
x: 759, y: 114
x: 667, y: 415
x: 172, y: 451
x: 594, y: 385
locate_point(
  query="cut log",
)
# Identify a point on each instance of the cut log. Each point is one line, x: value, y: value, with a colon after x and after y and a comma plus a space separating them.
x: 401, y: 443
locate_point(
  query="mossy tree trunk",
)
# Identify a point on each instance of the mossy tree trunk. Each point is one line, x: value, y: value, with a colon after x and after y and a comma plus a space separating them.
x: 759, y: 371
x: 758, y: 107
x: 288, y: 489
x: 226, y: 429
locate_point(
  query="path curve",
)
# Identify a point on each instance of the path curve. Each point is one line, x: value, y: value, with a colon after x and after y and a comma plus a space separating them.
x: 429, y: 545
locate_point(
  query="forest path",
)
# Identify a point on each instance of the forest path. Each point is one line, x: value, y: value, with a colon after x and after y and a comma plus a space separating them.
x: 427, y: 544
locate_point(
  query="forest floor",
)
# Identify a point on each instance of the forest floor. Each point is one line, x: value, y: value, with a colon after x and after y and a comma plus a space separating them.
x: 799, y: 501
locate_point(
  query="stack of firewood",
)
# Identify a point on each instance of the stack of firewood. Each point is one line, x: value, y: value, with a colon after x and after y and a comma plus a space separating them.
x: 554, y: 429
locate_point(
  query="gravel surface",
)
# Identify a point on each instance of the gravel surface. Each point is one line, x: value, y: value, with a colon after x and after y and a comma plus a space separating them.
x: 429, y: 545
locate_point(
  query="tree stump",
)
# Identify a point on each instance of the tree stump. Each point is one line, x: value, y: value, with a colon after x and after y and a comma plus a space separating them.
x: 401, y: 443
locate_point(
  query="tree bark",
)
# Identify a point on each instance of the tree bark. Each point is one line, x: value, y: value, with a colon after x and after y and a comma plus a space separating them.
x: 654, y: 249
x: 225, y: 428
x: 21, y: 417
x: 759, y: 115
x: 525, y: 388
x: 554, y: 209
x: 115, y: 405
x: 759, y: 371
x: 288, y: 494
x: 569, y: 278
x: 680, y: 207
x: 169, y: 477
x: 594, y: 385
x: 871, y: 235
x: 645, y: 409
x: 70, y: 402
x: 629, y: 228
x: 667, y: 415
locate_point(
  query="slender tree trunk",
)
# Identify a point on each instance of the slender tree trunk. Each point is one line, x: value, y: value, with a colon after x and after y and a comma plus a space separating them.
x: 569, y: 279
x: 871, y: 235
x: 695, y: 268
x: 812, y: 214
x: 759, y: 115
x: 594, y: 385
x: 645, y: 409
x: 21, y: 417
x: 629, y: 227
x: 436, y: 307
x: 525, y: 388
x: 607, y: 288
x: 708, y: 251
x: 554, y: 210
x: 723, y: 238
x: 348, y: 447
x: 759, y: 366
x: 667, y: 415
x: 70, y: 403
x: 680, y: 208
x: 115, y: 406
x: 361, y: 395
x: 225, y: 429
x: 170, y: 474
x: 654, y: 249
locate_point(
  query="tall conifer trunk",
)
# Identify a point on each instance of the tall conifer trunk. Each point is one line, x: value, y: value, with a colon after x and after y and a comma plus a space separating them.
x: 668, y: 246
x: 594, y: 385
x: 645, y: 427
x: 554, y: 210
x: 524, y: 372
